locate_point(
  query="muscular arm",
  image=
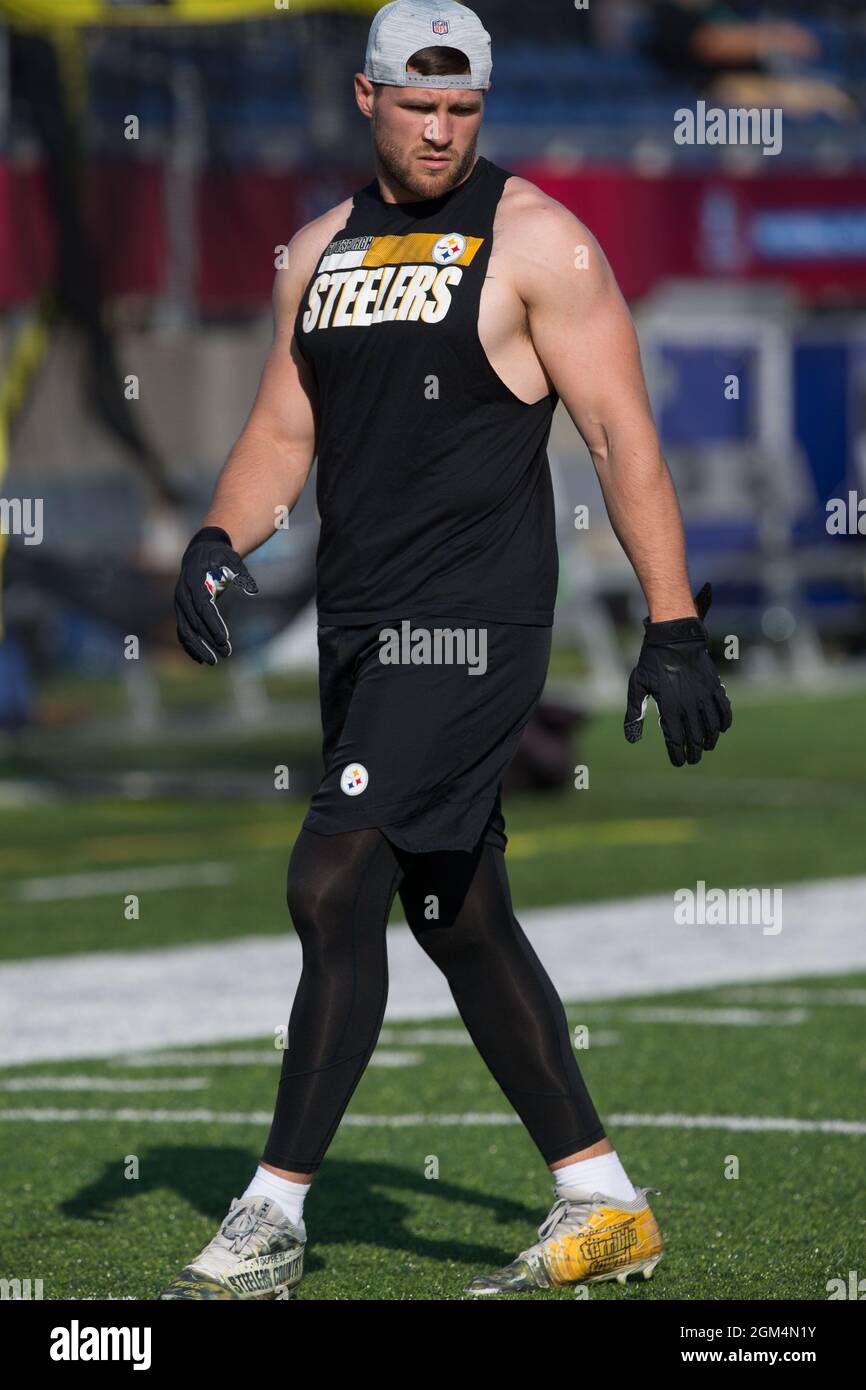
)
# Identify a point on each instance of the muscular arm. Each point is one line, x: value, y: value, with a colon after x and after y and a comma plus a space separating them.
x: 269, y: 465
x: 583, y: 334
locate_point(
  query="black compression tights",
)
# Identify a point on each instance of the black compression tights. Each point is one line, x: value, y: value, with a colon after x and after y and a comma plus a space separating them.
x: 340, y: 892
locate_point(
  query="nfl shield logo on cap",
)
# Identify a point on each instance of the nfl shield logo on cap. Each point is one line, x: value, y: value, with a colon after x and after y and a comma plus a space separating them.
x: 440, y: 26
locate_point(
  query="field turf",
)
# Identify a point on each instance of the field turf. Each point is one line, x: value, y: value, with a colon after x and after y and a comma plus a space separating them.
x: 782, y: 800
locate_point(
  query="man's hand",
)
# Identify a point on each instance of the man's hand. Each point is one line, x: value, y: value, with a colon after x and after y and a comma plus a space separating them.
x: 208, y: 566
x: 675, y: 668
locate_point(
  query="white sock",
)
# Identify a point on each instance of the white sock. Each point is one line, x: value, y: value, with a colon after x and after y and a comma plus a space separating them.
x: 603, y: 1173
x: 287, y: 1194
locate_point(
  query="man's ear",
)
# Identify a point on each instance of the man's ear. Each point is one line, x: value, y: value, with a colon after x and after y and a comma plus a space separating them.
x: 365, y: 94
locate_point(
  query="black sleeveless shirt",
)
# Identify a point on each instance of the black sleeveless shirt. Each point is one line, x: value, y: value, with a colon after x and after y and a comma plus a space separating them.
x: 433, y: 483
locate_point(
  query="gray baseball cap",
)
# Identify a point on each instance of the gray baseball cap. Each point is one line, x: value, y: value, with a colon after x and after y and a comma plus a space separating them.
x: 404, y: 26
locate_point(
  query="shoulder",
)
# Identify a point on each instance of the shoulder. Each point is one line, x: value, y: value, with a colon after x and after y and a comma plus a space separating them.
x: 536, y: 235
x: 310, y: 240
x: 525, y: 207
x: 304, y: 251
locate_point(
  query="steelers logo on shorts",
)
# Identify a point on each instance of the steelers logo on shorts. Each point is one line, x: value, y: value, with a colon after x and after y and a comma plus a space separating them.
x: 354, y: 779
x: 449, y: 248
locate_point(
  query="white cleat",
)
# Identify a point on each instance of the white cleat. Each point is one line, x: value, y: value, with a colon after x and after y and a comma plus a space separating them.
x: 257, y: 1253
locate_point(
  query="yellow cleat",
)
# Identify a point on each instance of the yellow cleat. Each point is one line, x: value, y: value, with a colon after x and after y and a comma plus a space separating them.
x: 584, y: 1240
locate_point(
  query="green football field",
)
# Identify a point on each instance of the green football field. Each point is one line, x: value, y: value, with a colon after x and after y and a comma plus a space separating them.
x: 743, y: 1102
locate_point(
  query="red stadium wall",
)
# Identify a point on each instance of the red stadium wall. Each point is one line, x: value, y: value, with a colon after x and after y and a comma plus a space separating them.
x: 652, y: 228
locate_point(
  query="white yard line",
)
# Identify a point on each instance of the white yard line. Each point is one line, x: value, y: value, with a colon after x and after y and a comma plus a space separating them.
x: 105, y: 1083
x: 381, y: 1058
x: 763, y: 1124
x: 816, y: 996
x: 157, y: 877
x: 259, y: 1057
x: 224, y: 1057
x: 718, y: 1018
x: 111, y: 1002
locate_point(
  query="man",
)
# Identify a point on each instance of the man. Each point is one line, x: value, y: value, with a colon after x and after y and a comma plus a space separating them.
x: 425, y: 329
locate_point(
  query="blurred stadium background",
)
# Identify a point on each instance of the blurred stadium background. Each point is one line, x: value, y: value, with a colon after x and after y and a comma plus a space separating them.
x: 136, y: 264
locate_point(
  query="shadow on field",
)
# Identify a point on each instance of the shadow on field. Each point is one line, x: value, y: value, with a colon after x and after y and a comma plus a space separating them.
x: 383, y: 1205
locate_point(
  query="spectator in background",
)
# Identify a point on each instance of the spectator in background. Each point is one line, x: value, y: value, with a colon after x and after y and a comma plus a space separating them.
x: 740, y: 62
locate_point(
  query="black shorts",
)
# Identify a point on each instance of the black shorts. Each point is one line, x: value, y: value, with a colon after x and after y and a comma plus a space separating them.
x: 419, y: 750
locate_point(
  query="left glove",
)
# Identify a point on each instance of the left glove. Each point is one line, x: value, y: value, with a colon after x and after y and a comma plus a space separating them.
x: 208, y: 566
x: 676, y: 669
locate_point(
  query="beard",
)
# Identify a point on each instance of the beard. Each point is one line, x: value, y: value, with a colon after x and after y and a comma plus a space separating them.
x: 403, y: 168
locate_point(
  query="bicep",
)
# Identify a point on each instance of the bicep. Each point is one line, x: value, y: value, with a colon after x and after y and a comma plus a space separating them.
x: 584, y: 335
x: 286, y: 403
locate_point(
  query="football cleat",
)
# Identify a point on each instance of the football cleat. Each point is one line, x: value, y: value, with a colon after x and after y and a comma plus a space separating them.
x: 584, y: 1240
x: 257, y: 1253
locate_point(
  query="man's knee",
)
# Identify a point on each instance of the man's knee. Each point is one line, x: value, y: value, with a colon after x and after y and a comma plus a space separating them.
x: 329, y: 876
x: 314, y: 883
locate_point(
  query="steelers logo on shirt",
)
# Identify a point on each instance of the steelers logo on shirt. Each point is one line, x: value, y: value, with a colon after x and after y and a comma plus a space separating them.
x: 354, y: 779
x: 449, y: 248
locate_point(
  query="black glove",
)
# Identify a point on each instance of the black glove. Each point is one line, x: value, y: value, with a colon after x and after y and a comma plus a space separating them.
x: 209, y: 564
x: 675, y: 667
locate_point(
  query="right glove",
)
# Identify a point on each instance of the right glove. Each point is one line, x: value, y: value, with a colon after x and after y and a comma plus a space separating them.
x: 208, y: 566
x: 676, y: 669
